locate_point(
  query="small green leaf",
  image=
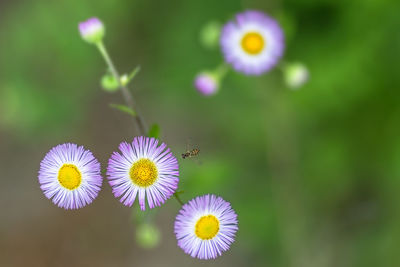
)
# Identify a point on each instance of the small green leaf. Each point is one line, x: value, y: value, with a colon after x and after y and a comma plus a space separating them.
x: 133, y: 73
x: 154, y: 131
x: 109, y: 83
x: 124, y: 109
x: 125, y: 79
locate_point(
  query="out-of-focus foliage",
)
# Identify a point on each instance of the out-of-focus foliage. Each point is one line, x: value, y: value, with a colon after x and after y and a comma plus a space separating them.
x: 154, y: 131
x: 313, y: 174
x: 147, y: 235
x: 209, y: 34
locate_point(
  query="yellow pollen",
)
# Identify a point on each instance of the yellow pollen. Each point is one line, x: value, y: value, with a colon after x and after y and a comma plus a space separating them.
x: 143, y: 172
x: 207, y: 227
x: 253, y: 43
x: 69, y: 176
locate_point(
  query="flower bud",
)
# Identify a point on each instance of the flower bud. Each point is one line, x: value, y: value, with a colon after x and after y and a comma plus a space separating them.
x: 296, y: 74
x: 124, y: 79
x: 109, y: 83
x: 206, y: 84
x: 147, y: 235
x: 92, y: 30
x: 209, y: 35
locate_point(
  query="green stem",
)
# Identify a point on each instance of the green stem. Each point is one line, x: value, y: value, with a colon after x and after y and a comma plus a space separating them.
x: 282, y: 65
x: 178, y: 198
x: 125, y: 92
x: 221, y: 71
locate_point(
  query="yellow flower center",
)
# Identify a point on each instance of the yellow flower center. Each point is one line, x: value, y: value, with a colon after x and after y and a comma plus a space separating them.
x: 207, y: 227
x: 143, y: 172
x: 69, y: 176
x: 253, y: 43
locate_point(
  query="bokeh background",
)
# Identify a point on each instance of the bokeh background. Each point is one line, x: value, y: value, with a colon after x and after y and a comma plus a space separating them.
x: 313, y: 174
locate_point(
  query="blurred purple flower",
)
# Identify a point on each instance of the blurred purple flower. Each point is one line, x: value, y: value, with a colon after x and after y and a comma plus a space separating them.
x: 252, y: 43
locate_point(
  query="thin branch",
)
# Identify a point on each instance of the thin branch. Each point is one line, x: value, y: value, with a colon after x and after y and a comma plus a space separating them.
x: 125, y: 92
x: 178, y: 198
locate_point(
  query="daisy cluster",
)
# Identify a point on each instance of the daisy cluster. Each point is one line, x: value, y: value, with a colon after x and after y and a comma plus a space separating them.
x: 144, y: 169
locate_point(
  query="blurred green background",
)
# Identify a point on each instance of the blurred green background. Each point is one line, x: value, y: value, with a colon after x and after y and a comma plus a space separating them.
x: 313, y: 174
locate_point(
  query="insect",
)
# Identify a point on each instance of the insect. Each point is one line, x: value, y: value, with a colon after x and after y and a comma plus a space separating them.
x: 191, y: 153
